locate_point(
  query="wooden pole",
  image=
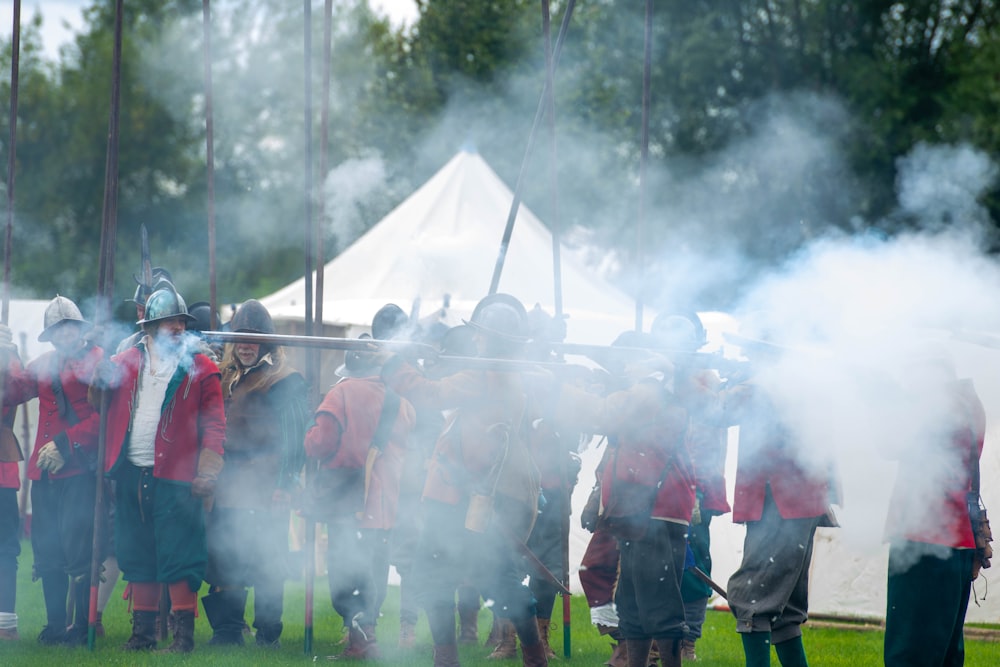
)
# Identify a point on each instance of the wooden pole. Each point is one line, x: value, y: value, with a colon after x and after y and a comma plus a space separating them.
x: 206, y: 10
x: 15, y: 46
x: 516, y: 201
x: 310, y: 527
x: 643, y: 159
x: 105, y: 289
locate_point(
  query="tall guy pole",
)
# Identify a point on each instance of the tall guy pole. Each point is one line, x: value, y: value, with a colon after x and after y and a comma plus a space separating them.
x: 105, y: 289
x: 15, y: 46
x: 206, y: 11
x: 643, y: 159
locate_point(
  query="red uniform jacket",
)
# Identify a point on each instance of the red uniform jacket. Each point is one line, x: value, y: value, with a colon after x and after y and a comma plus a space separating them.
x: 346, y: 421
x: 192, y: 417
x: 707, y: 440
x: 75, y: 442
x: 767, y: 457
x: 648, y: 430
x: 929, y: 500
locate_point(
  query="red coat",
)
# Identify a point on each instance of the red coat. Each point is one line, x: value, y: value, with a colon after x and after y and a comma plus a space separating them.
x: 75, y: 442
x: 649, y: 429
x: 929, y: 499
x: 767, y: 456
x: 346, y: 421
x: 707, y: 440
x: 192, y: 418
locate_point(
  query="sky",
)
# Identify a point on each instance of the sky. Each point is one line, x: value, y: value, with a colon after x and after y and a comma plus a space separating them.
x: 63, y: 18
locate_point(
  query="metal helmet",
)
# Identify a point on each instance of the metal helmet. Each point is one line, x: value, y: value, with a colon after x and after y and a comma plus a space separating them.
x: 678, y: 332
x: 165, y: 303
x: 60, y: 310
x: 502, y: 316
x: 252, y: 317
x: 142, y: 290
x: 357, y: 363
x: 201, y: 311
x: 389, y: 322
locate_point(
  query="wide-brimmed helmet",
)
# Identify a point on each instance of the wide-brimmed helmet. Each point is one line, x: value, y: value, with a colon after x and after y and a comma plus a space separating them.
x: 252, y: 317
x: 501, y: 316
x: 163, y: 304
x: 61, y: 310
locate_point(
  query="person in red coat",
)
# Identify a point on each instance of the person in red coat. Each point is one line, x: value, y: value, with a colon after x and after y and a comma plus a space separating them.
x: 359, y: 440
x: 931, y: 543
x: 166, y: 429
x: 10, y: 520
x: 782, y: 502
x: 62, y: 466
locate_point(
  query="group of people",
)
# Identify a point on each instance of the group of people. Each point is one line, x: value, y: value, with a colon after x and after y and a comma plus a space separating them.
x: 457, y: 468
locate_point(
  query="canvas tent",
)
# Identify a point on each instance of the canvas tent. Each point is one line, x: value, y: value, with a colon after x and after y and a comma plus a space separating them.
x: 444, y: 239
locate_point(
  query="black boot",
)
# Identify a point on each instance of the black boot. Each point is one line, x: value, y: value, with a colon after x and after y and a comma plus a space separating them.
x: 224, y: 610
x: 183, y: 633
x: 670, y: 652
x: 55, y: 588
x: 143, y: 631
x: 76, y: 634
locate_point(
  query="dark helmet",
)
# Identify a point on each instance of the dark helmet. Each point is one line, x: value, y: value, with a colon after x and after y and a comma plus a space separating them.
x: 60, y: 310
x: 678, y: 332
x: 165, y: 303
x: 545, y: 328
x: 502, y: 316
x: 142, y: 290
x: 252, y: 317
x: 389, y: 322
x: 458, y: 341
x: 201, y: 311
x: 357, y: 363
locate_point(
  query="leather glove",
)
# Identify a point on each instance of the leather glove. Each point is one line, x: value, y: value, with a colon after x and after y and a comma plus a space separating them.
x: 209, y: 466
x: 49, y: 458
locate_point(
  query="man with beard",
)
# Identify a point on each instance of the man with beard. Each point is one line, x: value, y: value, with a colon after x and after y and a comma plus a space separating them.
x: 62, y: 467
x: 359, y: 439
x: 481, y: 493
x: 166, y: 428
x: 266, y: 414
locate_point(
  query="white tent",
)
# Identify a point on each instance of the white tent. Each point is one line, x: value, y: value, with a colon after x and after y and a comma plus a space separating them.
x: 444, y: 240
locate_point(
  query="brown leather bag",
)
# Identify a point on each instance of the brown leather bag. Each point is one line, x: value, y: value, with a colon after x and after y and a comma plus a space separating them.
x: 983, y: 534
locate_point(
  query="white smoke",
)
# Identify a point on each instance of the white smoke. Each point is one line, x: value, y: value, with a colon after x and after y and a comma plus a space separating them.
x: 853, y: 313
x: 346, y: 188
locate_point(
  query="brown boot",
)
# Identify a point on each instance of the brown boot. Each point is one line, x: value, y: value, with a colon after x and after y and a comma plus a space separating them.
x: 468, y: 620
x: 183, y: 633
x: 407, y: 635
x: 143, y: 632
x: 507, y: 648
x: 361, y: 644
x: 687, y: 651
x: 533, y: 655
x: 446, y: 655
x: 544, y: 625
x: 619, y: 655
x: 653, y: 659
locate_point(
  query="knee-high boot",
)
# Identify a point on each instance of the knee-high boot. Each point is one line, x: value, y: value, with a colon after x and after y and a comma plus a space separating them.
x: 670, y: 652
x: 638, y: 651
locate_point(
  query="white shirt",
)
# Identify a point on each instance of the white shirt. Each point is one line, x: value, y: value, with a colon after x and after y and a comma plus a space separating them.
x: 148, y: 408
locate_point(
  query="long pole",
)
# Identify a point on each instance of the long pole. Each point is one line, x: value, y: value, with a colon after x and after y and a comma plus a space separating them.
x: 550, y: 103
x: 324, y: 140
x: 206, y: 11
x: 643, y: 159
x: 539, y: 112
x: 105, y: 288
x: 15, y: 46
x: 310, y: 527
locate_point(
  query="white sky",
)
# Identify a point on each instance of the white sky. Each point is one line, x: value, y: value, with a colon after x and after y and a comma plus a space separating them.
x: 62, y: 18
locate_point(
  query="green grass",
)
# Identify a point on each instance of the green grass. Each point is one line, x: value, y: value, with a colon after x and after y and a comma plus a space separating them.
x: 719, y: 647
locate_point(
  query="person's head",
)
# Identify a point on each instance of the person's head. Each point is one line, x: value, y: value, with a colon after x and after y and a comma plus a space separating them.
x: 64, y: 325
x: 251, y: 317
x: 166, y: 317
x: 390, y: 322
x: 499, y: 324
x: 142, y: 291
x: 683, y: 333
x: 358, y: 363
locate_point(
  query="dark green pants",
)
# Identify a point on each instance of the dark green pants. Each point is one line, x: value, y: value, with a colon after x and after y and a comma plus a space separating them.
x: 159, y: 529
x: 928, y: 595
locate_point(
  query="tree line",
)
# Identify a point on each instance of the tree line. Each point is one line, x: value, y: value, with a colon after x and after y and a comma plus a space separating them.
x: 772, y: 122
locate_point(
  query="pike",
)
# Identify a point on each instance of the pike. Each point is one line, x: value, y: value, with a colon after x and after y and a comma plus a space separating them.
x: 700, y: 574
x: 529, y: 556
x: 105, y: 287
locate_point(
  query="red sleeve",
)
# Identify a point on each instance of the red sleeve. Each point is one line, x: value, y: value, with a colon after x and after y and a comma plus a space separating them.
x: 211, y: 411
x: 323, y: 438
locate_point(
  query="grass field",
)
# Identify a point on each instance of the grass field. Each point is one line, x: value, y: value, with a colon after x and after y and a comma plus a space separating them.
x: 719, y: 647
